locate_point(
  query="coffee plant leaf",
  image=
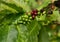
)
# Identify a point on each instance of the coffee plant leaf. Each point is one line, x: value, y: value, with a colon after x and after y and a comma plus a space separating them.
x: 33, y: 31
x: 43, y: 35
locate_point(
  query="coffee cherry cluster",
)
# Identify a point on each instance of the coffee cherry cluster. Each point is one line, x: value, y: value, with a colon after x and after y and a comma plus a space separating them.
x: 34, y: 13
x: 24, y: 19
x: 50, y: 12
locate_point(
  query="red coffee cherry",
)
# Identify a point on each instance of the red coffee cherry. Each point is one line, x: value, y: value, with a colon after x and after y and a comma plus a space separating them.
x: 33, y: 17
x: 34, y: 12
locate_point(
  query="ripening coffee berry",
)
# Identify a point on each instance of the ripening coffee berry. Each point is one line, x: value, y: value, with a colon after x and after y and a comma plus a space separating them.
x: 33, y: 17
x: 34, y: 12
x: 42, y: 10
x: 50, y: 12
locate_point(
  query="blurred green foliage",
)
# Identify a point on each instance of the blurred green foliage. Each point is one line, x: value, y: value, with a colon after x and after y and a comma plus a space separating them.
x: 17, y: 26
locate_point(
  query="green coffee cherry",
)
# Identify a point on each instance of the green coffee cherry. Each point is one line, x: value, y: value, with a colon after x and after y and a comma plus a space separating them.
x: 30, y: 17
x: 29, y: 20
x: 29, y: 14
x: 20, y: 21
x: 25, y: 16
x: 37, y: 18
x: 26, y: 19
x: 24, y: 22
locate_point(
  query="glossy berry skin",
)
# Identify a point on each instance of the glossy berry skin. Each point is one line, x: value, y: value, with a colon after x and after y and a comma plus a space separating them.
x: 33, y: 17
x: 57, y: 4
x: 34, y: 12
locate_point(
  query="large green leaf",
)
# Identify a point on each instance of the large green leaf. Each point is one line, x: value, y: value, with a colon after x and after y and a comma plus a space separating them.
x: 10, y: 19
x: 12, y: 31
x: 8, y: 8
x: 8, y: 33
x: 22, y: 33
x: 43, y: 35
x: 33, y: 29
x: 19, y: 3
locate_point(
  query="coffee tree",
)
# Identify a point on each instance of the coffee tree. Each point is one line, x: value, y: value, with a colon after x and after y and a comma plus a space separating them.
x: 29, y: 21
